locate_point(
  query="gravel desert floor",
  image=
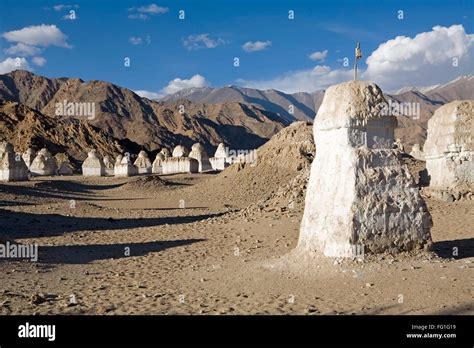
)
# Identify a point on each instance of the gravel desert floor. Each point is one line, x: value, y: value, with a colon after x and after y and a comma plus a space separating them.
x: 185, y: 244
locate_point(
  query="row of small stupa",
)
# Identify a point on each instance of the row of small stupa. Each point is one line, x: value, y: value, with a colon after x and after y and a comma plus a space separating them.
x: 180, y: 161
x: 17, y: 167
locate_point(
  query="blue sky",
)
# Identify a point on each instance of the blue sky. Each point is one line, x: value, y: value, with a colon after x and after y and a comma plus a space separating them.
x: 167, y: 53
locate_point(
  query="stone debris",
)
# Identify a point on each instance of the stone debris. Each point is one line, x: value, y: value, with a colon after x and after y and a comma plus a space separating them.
x: 221, y: 160
x: 28, y: 156
x: 12, y: 166
x: 199, y: 153
x: 44, y: 164
x: 398, y: 145
x: 109, y: 165
x: 143, y: 163
x: 157, y: 163
x: 145, y: 183
x: 449, y: 149
x: 417, y: 153
x: 180, y: 151
x: 124, y: 167
x: 93, y: 165
x: 361, y: 198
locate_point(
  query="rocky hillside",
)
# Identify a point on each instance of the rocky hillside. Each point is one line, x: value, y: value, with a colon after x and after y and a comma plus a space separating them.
x: 284, y: 161
x: 25, y: 127
x: 125, y: 115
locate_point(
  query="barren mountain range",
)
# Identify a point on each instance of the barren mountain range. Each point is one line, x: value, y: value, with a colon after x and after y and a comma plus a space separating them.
x: 124, y: 115
x: 305, y: 105
x: 242, y: 118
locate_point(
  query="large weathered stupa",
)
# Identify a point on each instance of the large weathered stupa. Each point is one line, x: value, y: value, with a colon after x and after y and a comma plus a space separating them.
x: 361, y: 198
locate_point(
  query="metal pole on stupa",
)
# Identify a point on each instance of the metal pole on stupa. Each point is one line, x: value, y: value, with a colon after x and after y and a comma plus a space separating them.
x: 358, y: 55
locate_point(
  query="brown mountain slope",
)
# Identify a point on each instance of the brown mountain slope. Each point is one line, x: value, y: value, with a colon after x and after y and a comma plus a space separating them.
x: 125, y: 115
x: 461, y: 88
x: 239, y: 125
x: 29, y: 89
x: 25, y: 127
x: 412, y: 128
x: 270, y: 100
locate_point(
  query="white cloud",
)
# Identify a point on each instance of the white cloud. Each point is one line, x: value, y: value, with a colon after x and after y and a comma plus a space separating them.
x: 321, y: 70
x: 61, y: 7
x: 149, y: 95
x: 196, y: 42
x: 178, y: 84
x: 11, y: 64
x: 256, y: 46
x: 38, y: 35
x: 22, y: 50
x: 40, y: 61
x: 175, y: 86
x: 135, y: 40
x: 144, y: 12
x: 425, y: 59
x: 319, y: 55
x: 27, y: 40
x: 152, y: 9
x: 320, y: 77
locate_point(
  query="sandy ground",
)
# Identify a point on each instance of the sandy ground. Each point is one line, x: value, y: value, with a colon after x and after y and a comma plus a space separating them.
x: 208, y: 257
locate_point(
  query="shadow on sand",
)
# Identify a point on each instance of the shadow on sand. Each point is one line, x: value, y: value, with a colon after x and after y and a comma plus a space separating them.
x: 457, y: 249
x: 65, y: 189
x: 26, y: 225
x: 83, y: 254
